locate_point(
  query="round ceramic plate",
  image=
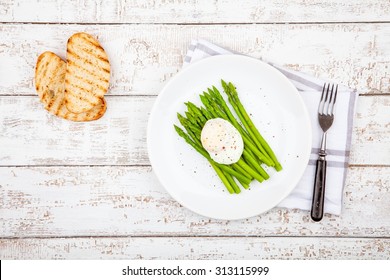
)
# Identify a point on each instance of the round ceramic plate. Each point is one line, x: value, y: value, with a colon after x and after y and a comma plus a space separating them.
x: 277, y: 111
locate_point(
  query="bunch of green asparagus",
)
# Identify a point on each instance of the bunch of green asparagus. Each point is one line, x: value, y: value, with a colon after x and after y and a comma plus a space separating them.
x: 256, y: 149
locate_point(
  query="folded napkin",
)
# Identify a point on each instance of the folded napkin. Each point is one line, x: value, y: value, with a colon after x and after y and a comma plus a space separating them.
x: 339, y: 135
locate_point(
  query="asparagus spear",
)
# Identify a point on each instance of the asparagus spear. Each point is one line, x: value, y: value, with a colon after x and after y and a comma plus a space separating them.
x: 249, y: 169
x: 230, y: 179
x: 246, y: 120
x: 194, y: 132
x: 246, y: 186
x: 229, y: 117
x: 257, y: 166
x: 256, y: 148
x: 199, y: 149
x: 216, y: 168
x: 196, y: 112
x: 234, y: 173
x: 223, y: 178
x: 241, y: 170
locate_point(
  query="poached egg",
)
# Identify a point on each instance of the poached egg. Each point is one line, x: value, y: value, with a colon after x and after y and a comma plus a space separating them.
x: 222, y: 141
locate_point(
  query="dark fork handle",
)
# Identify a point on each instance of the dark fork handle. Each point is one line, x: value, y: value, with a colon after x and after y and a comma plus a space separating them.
x: 317, y: 207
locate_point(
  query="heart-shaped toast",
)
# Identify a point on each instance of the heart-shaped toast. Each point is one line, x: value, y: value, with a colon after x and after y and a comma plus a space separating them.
x: 50, y: 75
x: 87, y: 73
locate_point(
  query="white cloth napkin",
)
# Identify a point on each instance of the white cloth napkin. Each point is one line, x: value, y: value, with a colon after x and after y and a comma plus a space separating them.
x: 339, y: 135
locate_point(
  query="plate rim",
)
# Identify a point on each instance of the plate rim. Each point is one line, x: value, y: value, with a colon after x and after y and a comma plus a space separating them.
x: 204, y: 61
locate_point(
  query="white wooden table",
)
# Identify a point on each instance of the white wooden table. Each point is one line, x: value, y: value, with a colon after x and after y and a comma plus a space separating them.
x: 86, y: 190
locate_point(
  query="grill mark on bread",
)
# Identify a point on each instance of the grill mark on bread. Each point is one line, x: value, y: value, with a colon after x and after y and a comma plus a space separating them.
x: 71, y: 93
x: 102, y: 57
x: 77, y: 65
x: 51, y: 89
x: 97, y: 56
x: 40, y: 74
x: 87, y: 47
x: 55, y: 72
x: 90, y: 40
x: 84, y: 79
x: 80, y: 66
x: 38, y: 77
x: 48, y: 65
x: 39, y: 65
x: 92, y: 82
x: 94, y: 85
x: 87, y: 61
x: 45, y: 68
x: 39, y: 59
x: 58, y: 109
x: 107, y: 71
x: 51, y: 102
x: 44, y: 95
x: 89, y: 100
x: 87, y: 74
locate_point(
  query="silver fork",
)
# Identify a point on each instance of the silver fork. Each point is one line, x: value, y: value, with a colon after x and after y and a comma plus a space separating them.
x: 325, y: 119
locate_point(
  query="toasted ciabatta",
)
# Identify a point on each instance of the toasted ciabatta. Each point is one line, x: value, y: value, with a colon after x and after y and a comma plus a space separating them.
x: 50, y: 85
x: 87, y: 73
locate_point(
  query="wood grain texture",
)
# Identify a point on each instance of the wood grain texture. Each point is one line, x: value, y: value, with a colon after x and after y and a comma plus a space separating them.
x: 196, y: 248
x: 143, y: 60
x: 129, y: 201
x: 86, y: 190
x: 31, y: 136
x: 194, y: 11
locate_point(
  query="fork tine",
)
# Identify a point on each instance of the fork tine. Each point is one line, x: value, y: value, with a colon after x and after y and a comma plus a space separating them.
x: 327, y: 92
x: 330, y: 107
x: 323, y: 92
x: 334, y: 99
x: 326, y: 102
x: 321, y: 103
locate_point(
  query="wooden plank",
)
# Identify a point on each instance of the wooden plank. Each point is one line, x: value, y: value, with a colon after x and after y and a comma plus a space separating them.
x: 121, y: 201
x: 143, y: 59
x: 184, y: 248
x: 31, y: 136
x: 119, y: 137
x: 371, y: 133
x: 198, y: 11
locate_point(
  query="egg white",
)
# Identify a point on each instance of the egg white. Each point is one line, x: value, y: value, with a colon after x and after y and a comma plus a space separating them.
x: 222, y: 141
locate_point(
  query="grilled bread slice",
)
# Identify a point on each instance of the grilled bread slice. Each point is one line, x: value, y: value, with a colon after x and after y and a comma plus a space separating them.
x: 87, y: 73
x: 50, y: 85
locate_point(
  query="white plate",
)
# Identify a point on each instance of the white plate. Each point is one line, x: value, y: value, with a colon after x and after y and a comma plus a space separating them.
x: 278, y: 112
